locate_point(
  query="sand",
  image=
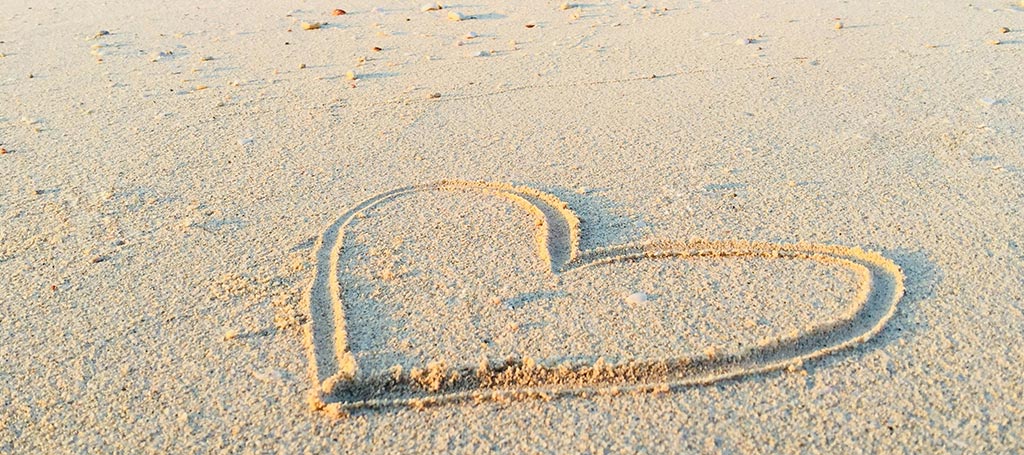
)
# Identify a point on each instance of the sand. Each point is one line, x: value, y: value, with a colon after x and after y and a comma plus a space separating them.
x: 170, y: 186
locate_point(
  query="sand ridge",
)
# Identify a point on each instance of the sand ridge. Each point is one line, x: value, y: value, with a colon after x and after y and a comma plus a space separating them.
x: 333, y: 367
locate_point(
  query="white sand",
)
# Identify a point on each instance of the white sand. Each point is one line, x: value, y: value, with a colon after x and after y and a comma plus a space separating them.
x: 156, y: 237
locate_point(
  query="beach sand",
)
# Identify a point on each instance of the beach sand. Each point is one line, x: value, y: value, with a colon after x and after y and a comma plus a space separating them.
x: 787, y: 227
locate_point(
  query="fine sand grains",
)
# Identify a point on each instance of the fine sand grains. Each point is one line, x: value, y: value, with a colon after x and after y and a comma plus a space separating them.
x: 127, y: 193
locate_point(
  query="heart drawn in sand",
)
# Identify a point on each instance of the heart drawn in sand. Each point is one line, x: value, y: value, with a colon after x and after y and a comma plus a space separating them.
x: 338, y: 387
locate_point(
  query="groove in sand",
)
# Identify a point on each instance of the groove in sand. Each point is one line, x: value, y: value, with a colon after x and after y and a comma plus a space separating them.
x: 333, y: 367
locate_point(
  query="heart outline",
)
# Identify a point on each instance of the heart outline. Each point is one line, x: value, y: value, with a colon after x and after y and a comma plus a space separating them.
x: 333, y: 368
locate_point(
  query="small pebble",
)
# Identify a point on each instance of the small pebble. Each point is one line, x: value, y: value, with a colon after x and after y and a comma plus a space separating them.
x: 1004, y: 30
x: 636, y: 298
x: 338, y: 12
x: 471, y: 35
x: 564, y: 6
x: 201, y: 87
x: 3, y: 151
x: 994, y: 42
x: 455, y: 16
x: 743, y: 41
x: 311, y: 25
x: 376, y: 49
x: 838, y: 26
x: 205, y: 58
x: 481, y: 54
x: 433, y: 95
x: 302, y: 66
x: 351, y: 75
x: 431, y: 7
x: 531, y: 25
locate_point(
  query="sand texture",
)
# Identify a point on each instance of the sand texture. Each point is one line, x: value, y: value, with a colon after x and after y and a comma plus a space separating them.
x: 520, y: 227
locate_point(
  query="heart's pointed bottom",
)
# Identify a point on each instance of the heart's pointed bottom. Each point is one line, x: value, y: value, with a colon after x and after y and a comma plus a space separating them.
x: 513, y: 379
